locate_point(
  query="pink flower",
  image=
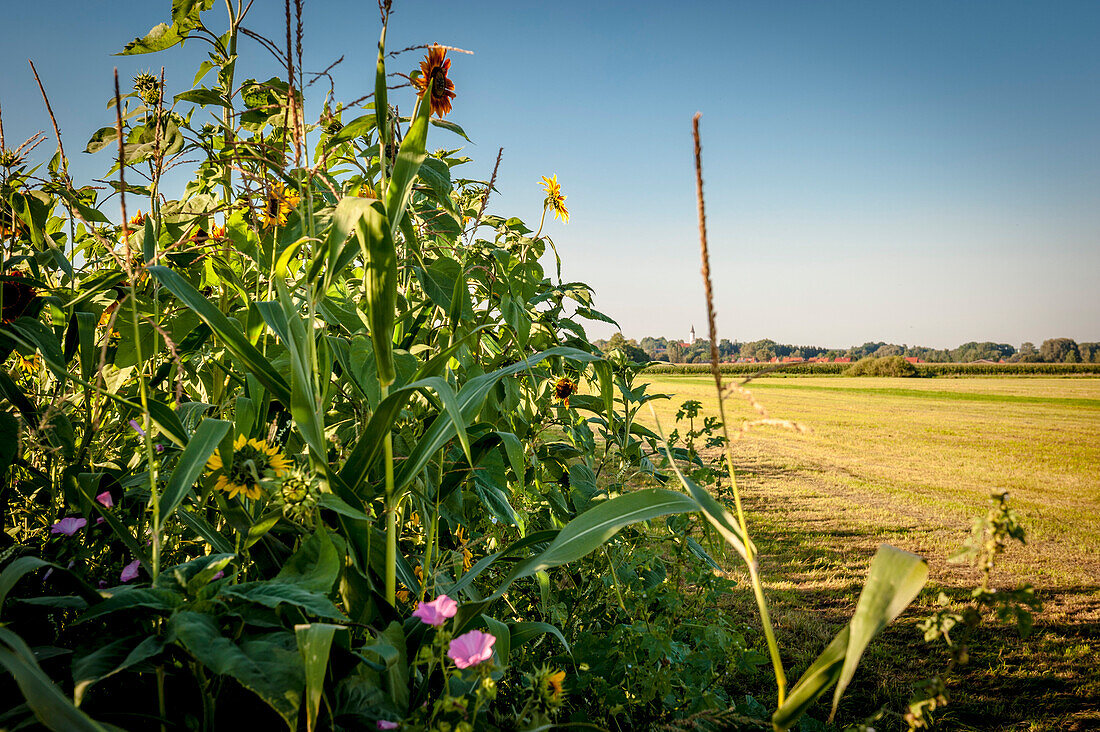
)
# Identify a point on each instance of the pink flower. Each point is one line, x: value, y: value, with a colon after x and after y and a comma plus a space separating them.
x: 218, y: 575
x: 68, y: 526
x: 136, y: 427
x: 386, y: 724
x: 437, y: 611
x: 470, y: 649
x: 105, y: 499
x: 130, y: 571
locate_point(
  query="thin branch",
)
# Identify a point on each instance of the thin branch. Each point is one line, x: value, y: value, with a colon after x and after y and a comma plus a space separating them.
x: 53, y: 120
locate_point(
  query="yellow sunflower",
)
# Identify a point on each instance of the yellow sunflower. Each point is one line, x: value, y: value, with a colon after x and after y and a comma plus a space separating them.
x: 280, y: 202
x: 555, y: 201
x: 467, y: 555
x: 29, y: 365
x: 253, y: 462
x: 435, y: 67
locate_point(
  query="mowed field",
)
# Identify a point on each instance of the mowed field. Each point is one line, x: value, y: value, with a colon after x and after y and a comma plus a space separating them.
x: 911, y: 462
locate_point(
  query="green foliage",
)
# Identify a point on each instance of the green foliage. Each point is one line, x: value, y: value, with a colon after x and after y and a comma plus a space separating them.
x: 892, y: 366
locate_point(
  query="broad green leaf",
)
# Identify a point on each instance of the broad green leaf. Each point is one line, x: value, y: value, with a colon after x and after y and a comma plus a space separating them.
x: 314, y: 567
x: 51, y: 707
x: 314, y: 643
x: 191, y: 464
x: 397, y: 668
x: 234, y: 340
x: 159, y: 37
x: 269, y: 667
x: 894, y: 580
x: 110, y: 659
x: 103, y: 137
x: 201, y: 96
x: 274, y: 594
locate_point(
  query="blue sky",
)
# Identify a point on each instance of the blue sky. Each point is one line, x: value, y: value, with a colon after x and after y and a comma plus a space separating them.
x: 922, y: 173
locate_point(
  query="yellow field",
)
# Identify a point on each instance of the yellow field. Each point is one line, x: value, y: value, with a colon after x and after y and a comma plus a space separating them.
x: 911, y: 462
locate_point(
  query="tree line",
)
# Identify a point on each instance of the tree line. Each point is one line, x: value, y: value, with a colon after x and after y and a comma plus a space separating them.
x: 1052, y: 350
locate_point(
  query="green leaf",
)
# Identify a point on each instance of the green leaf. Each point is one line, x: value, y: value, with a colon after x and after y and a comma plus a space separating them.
x: 894, y: 580
x: 274, y: 594
x: 103, y: 137
x: 127, y: 598
x: 445, y: 125
x: 202, y: 96
x: 594, y: 527
x: 314, y: 643
x: 110, y: 659
x: 527, y: 631
x: 397, y: 667
x: 191, y: 464
x: 379, y: 285
x: 51, y: 707
x: 471, y: 397
x: 409, y: 159
x: 269, y: 667
x: 234, y: 340
x: 314, y: 567
x: 159, y: 37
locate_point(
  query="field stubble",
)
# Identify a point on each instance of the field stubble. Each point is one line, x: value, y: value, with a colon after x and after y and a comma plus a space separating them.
x: 911, y: 463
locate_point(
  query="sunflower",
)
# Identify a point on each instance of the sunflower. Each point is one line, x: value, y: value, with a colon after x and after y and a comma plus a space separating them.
x: 253, y: 462
x: 280, y: 202
x: 555, y: 201
x: 435, y: 67
x: 29, y: 365
x: 564, y: 388
x: 467, y: 555
x: 137, y: 220
x: 217, y: 232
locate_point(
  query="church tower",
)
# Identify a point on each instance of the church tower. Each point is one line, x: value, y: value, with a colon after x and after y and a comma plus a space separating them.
x: 692, y: 341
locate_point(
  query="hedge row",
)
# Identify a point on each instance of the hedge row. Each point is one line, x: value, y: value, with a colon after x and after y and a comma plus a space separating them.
x: 923, y: 369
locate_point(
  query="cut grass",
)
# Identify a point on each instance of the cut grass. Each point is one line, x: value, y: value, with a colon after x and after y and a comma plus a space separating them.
x: 910, y: 464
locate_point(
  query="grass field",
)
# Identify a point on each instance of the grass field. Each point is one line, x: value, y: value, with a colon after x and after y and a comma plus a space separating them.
x: 910, y: 462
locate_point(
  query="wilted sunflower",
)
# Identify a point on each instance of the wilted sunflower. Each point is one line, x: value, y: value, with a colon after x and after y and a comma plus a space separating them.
x: 564, y: 388
x: 253, y: 462
x: 298, y: 494
x: 467, y: 555
x: 555, y: 201
x: 280, y: 202
x: 29, y: 365
x: 435, y: 67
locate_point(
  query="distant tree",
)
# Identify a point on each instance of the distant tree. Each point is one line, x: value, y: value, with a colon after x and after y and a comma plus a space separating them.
x: 1028, y: 353
x: 726, y: 349
x: 888, y: 349
x: 1055, y: 350
x: 675, y: 352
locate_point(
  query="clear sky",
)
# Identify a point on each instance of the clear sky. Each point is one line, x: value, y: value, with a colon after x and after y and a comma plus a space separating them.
x: 923, y: 173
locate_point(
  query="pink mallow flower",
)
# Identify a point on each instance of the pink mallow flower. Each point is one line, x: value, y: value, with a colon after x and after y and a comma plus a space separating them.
x: 386, y: 724
x: 130, y: 571
x: 69, y: 526
x: 105, y: 499
x: 437, y: 611
x: 470, y: 649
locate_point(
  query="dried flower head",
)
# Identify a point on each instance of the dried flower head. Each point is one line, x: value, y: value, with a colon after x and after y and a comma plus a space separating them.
x: 434, y: 68
x: 564, y: 388
x: 253, y: 462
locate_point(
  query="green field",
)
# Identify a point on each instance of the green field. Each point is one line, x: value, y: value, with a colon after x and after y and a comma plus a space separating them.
x: 911, y: 462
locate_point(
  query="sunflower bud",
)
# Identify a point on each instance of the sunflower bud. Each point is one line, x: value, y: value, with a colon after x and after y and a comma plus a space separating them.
x: 299, y: 496
x: 148, y: 88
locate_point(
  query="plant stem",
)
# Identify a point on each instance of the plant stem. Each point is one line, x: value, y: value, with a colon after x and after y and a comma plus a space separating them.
x: 750, y: 553
x: 391, y: 518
